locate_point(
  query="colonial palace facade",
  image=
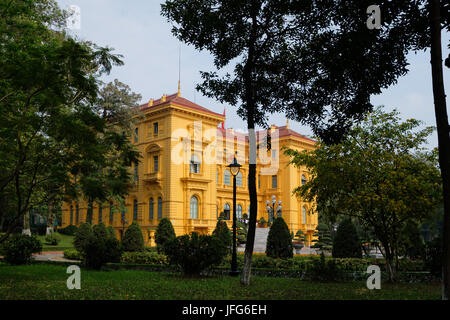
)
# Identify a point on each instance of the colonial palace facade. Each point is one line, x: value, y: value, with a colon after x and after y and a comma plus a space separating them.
x: 183, y: 174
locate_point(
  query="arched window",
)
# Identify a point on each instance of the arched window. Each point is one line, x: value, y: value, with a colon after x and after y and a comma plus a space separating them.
x: 135, y: 209
x: 238, y: 212
x: 111, y: 213
x: 77, y: 213
x: 304, y: 215
x: 303, y: 180
x: 194, y: 208
x: 100, y: 209
x: 227, y: 178
x: 136, y: 135
x: 239, y: 179
x: 150, y: 209
x: 226, y: 211
x: 136, y: 172
x: 71, y: 214
x: 195, y: 164
x: 159, y: 208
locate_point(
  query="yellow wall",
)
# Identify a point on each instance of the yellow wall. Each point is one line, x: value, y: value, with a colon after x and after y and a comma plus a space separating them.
x: 175, y: 184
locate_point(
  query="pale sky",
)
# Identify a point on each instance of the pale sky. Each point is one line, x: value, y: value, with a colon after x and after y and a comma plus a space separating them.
x: 135, y: 29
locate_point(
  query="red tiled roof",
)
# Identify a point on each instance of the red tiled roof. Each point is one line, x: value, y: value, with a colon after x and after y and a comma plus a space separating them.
x: 282, y: 132
x: 174, y: 98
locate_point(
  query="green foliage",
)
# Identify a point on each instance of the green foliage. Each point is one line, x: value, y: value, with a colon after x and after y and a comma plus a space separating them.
x: 346, y: 243
x: 143, y: 258
x: 163, y: 234
x: 72, y: 254
x: 411, y: 242
x: 133, y: 239
x: 101, y: 231
x: 434, y: 256
x: 195, y: 253
x: 322, y: 238
x: 52, y: 239
x: 241, y: 232
x: 111, y: 232
x: 82, y: 235
x: 19, y: 248
x: 323, y: 270
x: 299, y: 237
x: 69, y: 230
x: 49, y: 92
x: 262, y: 222
x: 279, y: 242
x: 223, y: 233
x: 380, y: 175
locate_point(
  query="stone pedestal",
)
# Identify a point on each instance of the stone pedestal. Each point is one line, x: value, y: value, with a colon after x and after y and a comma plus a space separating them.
x: 26, y: 232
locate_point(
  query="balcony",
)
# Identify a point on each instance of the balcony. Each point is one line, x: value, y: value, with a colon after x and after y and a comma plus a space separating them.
x: 154, y: 177
x: 197, y: 222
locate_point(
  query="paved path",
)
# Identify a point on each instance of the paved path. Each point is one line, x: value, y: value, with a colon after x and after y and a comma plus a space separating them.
x: 51, y: 256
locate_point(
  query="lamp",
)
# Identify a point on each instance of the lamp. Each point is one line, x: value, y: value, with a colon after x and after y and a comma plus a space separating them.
x: 234, y: 169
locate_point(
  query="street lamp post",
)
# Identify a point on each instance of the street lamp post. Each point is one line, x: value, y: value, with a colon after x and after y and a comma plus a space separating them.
x: 234, y: 169
x: 271, y: 209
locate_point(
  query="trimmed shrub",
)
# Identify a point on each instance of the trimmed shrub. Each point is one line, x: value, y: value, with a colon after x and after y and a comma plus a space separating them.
x: 223, y: 233
x: 111, y: 232
x: 322, y: 238
x: 163, y: 234
x: 81, y: 236
x: 346, y: 242
x: 101, y: 231
x: 72, y: 254
x: 68, y: 231
x: 19, y: 248
x: 52, y: 239
x: 133, y: 239
x: 322, y: 269
x: 279, y: 242
x: 143, y: 258
x: 262, y: 222
x: 241, y: 232
x: 195, y: 253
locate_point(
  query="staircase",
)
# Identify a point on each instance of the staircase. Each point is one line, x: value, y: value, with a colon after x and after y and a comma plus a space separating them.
x: 260, y: 241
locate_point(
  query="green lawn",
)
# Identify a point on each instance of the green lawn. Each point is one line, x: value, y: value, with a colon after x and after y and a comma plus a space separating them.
x: 41, y: 281
x: 65, y: 243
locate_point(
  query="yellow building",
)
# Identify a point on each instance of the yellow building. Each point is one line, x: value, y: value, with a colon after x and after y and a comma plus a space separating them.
x: 183, y: 176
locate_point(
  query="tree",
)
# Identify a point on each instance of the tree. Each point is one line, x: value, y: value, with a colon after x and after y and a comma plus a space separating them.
x: 81, y: 236
x: 379, y: 175
x: 411, y: 243
x: 346, y: 243
x: 223, y: 233
x: 133, y: 239
x: 49, y: 132
x: 268, y: 42
x: 279, y: 241
x: 164, y: 232
x: 322, y: 238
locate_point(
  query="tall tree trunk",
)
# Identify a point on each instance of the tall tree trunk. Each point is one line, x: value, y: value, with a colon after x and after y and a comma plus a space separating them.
x: 250, y: 104
x: 440, y: 109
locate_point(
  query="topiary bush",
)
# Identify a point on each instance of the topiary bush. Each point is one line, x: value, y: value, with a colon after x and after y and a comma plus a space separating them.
x: 133, y: 240
x: 279, y: 242
x: 82, y: 235
x: 223, y: 233
x: 163, y: 234
x: 111, y: 232
x: 346, y: 242
x: 19, y: 248
x: 241, y: 232
x: 195, y: 253
x: 322, y: 269
x: 68, y: 231
x: 52, y: 239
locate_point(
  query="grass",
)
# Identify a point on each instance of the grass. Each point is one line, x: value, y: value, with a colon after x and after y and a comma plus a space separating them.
x: 48, y: 282
x: 65, y: 243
